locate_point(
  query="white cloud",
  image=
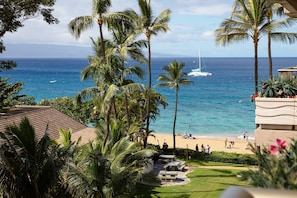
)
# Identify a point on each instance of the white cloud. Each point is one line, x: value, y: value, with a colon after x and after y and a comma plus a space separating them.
x: 202, y: 7
x: 208, y: 35
x: 214, y: 10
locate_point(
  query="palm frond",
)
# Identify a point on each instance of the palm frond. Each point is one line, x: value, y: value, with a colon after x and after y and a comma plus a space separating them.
x: 100, y: 7
x: 80, y: 24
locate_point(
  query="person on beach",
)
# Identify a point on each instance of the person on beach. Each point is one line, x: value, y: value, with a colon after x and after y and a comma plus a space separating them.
x: 232, y: 143
x: 202, y: 148
x: 197, y: 148
x: 245, y: 135
x: 226, y: 142
x: 207, y: 149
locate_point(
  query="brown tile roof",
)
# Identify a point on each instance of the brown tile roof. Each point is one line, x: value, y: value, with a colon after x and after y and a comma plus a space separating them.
x: 87, y: 135
x: 39, y: 117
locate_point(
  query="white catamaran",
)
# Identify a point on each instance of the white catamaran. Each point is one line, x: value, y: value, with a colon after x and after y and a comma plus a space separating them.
x: 198, y: 71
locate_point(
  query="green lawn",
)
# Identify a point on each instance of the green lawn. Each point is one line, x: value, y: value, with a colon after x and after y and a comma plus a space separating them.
x: 206, y: 183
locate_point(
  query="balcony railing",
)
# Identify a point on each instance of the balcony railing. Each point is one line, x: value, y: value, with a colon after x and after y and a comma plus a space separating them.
x: 278, y: 112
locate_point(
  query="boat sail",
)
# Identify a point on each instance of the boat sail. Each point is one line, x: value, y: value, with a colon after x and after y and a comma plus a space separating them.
x: 198, y: 71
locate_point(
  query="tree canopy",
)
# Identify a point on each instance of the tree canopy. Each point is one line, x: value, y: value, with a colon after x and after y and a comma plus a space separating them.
x: 14, y: 12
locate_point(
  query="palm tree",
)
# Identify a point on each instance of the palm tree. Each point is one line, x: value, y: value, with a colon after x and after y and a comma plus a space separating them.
x: 151, y: 26
x: 272, y: 10
x: 122, y: 46
x: 28, y: 167
x: 278, y: 36
x: 128, y: 86
x: 110, y: 76
x: 248, y: 21
x: 82, y: 23
x: 175, y: 77
x: 146, y: 24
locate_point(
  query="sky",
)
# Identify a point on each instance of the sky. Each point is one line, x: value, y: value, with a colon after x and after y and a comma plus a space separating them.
x: 192, y: 25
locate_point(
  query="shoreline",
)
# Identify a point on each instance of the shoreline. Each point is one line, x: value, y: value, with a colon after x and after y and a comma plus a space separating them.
x: 240, y: 145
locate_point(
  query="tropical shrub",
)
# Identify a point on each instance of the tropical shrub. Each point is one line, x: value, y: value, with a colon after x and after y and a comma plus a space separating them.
x: 108, y: 170
x: 278, y: 166
x: 9, y: 92
x: 279, y: 88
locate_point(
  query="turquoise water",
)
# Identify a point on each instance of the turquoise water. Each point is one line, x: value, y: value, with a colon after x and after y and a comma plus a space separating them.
x: 217, y: 105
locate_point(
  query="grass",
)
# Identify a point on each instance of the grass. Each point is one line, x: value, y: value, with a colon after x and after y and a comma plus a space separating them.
x: 206, y: 183
x: 196, y: 163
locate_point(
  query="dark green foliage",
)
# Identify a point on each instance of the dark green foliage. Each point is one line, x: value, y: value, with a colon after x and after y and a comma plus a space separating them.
x: 28, y: 167
x: 14, y: 12
x: 9, y: 91
x: 215, y: 156
x: 81, y: 112
x: 110, y: 170
x: 234, y: 158
x: 279, y: 88
x: 23, y: 100
x: 7, y: 65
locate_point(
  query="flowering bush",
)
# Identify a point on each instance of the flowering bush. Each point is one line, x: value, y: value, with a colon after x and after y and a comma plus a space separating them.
x: 277, y: 166
x: 279, y: 148
x: 253, y: 97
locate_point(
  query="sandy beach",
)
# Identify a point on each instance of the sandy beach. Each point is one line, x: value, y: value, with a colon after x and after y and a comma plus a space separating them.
x: 216, y: 144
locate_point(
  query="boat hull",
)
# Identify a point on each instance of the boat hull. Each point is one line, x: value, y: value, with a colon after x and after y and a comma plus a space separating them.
x: 196, y: 73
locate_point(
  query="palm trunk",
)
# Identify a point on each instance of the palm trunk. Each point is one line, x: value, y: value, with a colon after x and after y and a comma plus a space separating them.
x: 175, y: 115
x: 100, y: 23
x: 256, y: 64
x: 269, y: 55
x: 107, y: 125
x: 114, y: 108
x: 127, y: 111
x: 148, y: 94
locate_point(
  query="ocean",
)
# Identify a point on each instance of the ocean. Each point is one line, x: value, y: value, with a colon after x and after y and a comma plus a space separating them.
x: 213, y: 106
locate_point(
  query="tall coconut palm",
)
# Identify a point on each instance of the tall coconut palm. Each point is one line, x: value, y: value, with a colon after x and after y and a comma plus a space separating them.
x: 174, y: 79
x: 124, y: 46
x: 119, y: 48
x: 103, y: 71
x: 28, y: 167
x: 248, y: 21
x: 150, y: 26
x: 82, y: 23
x: 273, y: 34
x: 111, y: 77
x: 275, y: 11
